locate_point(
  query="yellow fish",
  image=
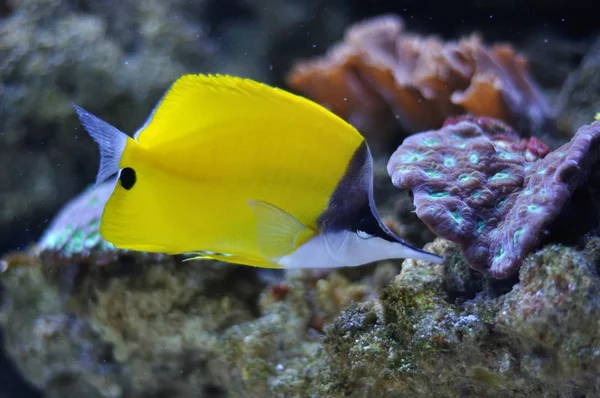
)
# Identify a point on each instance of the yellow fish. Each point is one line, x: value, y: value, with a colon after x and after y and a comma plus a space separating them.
x: 238, y: 171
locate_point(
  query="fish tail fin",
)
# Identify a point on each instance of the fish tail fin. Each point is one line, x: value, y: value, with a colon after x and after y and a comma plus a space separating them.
x: 111, y: 141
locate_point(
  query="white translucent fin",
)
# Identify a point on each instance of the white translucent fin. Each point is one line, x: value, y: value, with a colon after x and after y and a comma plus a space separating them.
x: 110, y: 140
x: 334, y: 242
x: 277, y: 230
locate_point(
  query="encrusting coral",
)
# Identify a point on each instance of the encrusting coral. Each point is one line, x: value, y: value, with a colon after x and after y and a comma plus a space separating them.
x: 381, y: 76
x: 477, y: 183
x: 75, y: 229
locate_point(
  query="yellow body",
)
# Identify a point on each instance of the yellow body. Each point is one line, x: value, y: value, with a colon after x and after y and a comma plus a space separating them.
x: 213, y: 144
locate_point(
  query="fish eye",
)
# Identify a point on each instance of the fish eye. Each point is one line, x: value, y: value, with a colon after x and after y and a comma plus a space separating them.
x: 363, y: 234
x: 127, y: 178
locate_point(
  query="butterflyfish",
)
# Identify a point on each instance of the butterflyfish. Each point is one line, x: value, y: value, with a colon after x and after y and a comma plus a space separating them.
x: 239, y: 171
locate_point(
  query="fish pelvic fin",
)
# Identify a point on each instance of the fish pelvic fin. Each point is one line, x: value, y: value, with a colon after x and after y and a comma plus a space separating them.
x: 111, y: 141
x: 278, y: 232
x: 230, y: 258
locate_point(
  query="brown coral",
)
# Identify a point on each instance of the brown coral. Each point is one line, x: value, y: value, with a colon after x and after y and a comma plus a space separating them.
x: 381, y: 76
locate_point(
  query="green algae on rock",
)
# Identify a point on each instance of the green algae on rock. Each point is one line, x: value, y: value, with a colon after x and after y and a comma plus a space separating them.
x: 554, y: 313
x: 138, y: 328
x: 153, y: 320
x: 169, y: 328
x: 418, y: 342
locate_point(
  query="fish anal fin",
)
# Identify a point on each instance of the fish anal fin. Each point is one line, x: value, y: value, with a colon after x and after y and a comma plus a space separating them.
x: 278, y: 233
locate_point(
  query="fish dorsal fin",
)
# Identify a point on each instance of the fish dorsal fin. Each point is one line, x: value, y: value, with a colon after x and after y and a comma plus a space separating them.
x: 196, y: 103
x: 278, y: 232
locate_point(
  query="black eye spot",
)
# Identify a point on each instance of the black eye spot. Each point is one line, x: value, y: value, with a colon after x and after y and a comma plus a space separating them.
x: 127, y: 178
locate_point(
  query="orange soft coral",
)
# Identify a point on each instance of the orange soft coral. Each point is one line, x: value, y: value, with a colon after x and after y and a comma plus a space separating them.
x: 380, y: 76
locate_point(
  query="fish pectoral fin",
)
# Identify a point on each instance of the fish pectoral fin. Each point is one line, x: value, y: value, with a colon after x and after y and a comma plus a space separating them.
x: 278, y: 232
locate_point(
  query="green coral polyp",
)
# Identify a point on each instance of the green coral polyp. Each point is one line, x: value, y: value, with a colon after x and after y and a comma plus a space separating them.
x: 58, y: 240
x: 517, y: 235
x: 500, y: 203
x: 449, y: 161
x: 439, y: 194
x: 95, y: 224
x: 499, y: 253
x: 456, y: 216
x: 412, y: 157
x: 74, y: 246
x: 78, y: 235
x: 433, y: 173
x: 430, y: 142
x: 474, y: 158
x: 500, y: 176
x: 92, y: 240
x: 480, y: 225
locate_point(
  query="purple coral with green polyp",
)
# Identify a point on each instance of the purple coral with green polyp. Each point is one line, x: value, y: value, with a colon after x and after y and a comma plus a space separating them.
x: 75, y: 230
x: 476, y: 183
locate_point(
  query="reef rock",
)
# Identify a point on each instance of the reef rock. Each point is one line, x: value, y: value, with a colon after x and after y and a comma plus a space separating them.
x: 134, y: 328
x: 418, y: 340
